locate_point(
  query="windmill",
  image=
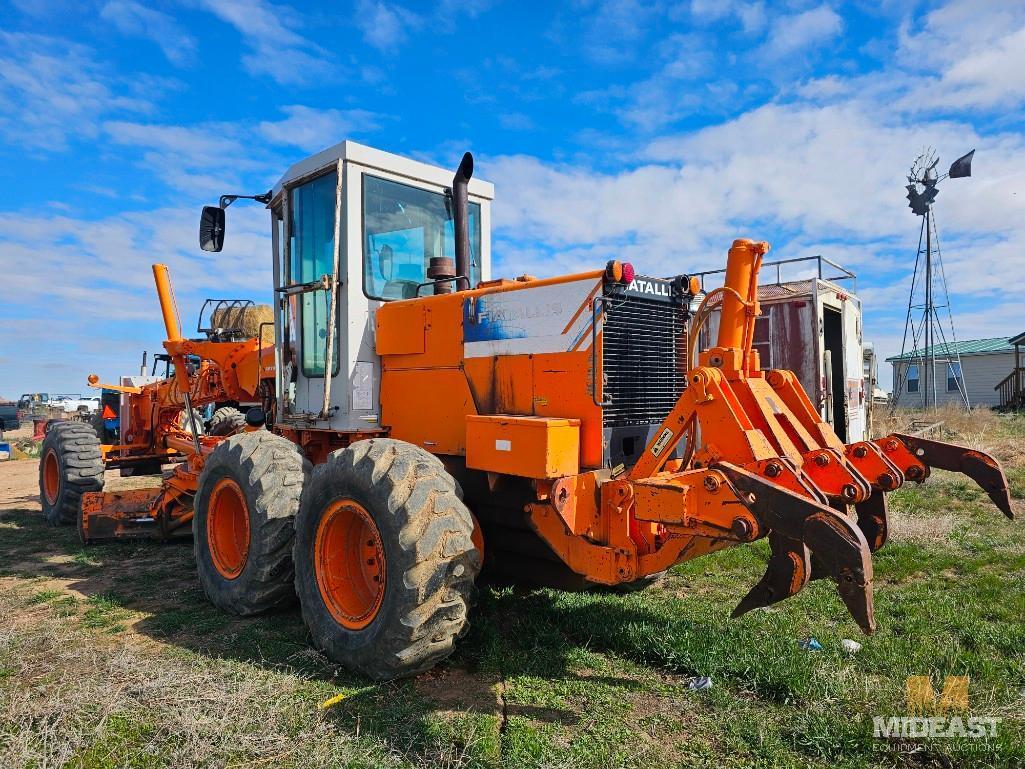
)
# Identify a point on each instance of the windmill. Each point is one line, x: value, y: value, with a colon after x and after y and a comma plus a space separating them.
x: 924, y: 333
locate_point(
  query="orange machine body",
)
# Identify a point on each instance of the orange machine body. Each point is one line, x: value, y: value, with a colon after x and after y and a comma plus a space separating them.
x: 479, y: 377
x: 438, y: 365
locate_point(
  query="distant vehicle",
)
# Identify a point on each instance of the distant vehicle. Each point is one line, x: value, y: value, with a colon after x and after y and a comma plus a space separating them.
x: 32, y: 401
x: 9, y: 416
x: 73, y: 404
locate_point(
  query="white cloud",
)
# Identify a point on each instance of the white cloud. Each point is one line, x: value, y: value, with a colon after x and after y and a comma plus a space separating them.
x: 52, y: 89
x: 132, y: 18
x: 800, y: 32
x: 965, y: 56
x: 516, y: 121
x: 201, y: 160
x: 384, y: 25
x: 610, y: 30
x: 752, y: 16
x: 819, y: 169
x: 208, y: 159
x: 811, y: 179
x: 974, y: 51
x: 671, y: 92
x: 313, y: 129
x: 448, y: 12
x: 276, y: 49
x: 89, y: 303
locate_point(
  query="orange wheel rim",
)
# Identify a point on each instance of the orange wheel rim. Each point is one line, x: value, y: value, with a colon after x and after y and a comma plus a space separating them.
x: 51, y: 477
x: 349, y: 563
x: 227, y: 528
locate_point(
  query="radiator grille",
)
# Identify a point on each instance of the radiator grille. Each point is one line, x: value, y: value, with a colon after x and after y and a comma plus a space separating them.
x: 644, y: 359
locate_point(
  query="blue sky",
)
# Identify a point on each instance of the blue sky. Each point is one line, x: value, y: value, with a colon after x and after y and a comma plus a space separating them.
x: 654, y: 132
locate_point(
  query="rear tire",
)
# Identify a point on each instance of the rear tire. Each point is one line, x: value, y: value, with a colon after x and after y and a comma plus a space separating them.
x: 226, y: 420
x: 394, y: 506
x: 70, y: 464
x: 245, y: 508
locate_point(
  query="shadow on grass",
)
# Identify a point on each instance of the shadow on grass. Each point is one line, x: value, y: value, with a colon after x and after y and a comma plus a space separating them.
x: 513, y: 632
x: 157, y: 580
x: 414, y: 717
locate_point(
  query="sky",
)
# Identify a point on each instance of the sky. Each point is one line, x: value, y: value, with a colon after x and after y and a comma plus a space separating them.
x: 651, y: 132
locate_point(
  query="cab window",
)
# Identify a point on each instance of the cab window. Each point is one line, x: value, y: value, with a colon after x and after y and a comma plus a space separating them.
x: 311, y: 245
x: 403, y: 228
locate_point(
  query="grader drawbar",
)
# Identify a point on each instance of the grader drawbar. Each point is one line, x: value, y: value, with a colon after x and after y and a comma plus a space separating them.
x: 564, y: 426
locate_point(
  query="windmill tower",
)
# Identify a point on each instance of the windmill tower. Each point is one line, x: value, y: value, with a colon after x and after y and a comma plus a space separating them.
x: 928, y: 341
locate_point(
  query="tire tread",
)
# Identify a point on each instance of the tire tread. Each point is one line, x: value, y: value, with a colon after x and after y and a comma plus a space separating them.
x: 438, y: 560
x: 275, y: 471
x: 81, y: 463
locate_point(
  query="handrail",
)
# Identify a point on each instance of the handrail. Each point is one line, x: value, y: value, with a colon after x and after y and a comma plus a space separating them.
x: 818, y: 258
x: 1014, y: 371
x: 595, y: 315
x: 1012, y: 388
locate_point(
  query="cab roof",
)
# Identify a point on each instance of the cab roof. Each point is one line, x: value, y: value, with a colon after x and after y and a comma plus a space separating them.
x: 380, y: 160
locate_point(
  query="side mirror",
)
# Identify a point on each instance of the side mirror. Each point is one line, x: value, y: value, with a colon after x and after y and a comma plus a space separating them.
x: 211, y: 228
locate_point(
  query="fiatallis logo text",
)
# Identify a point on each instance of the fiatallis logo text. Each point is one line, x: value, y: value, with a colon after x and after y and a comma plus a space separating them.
x: 650, y: 287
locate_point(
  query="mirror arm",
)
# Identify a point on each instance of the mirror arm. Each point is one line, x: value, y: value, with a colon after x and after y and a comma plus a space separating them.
x: 227, y: 200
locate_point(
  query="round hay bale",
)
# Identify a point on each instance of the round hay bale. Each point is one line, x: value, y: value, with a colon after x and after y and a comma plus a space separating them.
x: 246, y: 321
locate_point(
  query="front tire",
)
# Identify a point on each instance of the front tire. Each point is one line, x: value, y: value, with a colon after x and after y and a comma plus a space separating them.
x: 246, y: 503
x: 385, y: 559
x: 70, y: 464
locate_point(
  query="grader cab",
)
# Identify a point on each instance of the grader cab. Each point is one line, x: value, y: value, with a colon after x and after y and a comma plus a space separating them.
x: 424, y: 419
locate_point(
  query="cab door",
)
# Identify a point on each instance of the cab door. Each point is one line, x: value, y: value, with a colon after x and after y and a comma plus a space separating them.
x: 311, y: 243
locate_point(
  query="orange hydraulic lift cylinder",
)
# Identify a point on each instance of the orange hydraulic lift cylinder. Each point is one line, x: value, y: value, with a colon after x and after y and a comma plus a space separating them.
x: 741, y: 277
x: 162, y: 278
x: 163, y: 281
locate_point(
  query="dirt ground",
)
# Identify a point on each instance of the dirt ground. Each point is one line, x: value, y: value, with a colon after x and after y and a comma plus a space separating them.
x: 19, y: 482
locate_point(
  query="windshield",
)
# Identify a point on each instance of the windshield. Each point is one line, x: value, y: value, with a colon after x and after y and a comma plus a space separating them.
x: 403, y: 228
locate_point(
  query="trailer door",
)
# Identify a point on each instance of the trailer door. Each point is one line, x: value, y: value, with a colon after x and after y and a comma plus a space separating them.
x: 833, y: 365
x: 857, y: 390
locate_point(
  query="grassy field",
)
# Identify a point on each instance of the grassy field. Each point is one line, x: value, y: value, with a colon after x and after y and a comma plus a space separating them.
x: 110, y: 657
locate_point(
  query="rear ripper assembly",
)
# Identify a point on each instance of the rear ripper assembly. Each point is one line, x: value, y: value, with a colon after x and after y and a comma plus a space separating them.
x: 766, y: 464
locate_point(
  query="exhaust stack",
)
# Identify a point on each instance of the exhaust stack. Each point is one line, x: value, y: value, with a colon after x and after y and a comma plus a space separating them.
x: 461, y: 221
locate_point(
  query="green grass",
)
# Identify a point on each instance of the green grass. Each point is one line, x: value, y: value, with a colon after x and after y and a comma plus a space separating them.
x: 104, y: 612
x: 542, y: 679
x: 118, y: 745
x: 45, y: 596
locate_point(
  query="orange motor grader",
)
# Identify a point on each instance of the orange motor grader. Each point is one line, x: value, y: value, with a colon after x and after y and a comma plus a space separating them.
x: 424, y: 420
x: 161, y: 424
